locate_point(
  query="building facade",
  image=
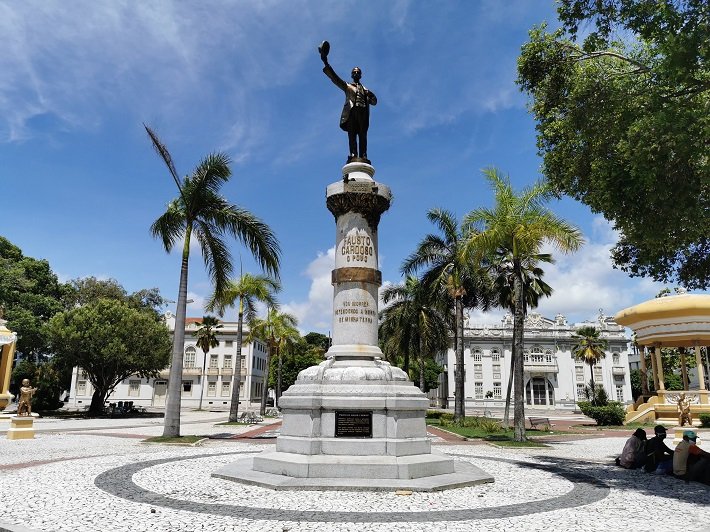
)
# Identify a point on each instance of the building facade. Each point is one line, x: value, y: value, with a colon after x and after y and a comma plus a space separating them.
x: 209, y: 377
x: 553, y: 378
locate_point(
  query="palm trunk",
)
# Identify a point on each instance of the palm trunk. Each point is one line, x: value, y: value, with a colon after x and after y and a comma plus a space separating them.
x: 506, y: 414
x: 265, y: 385
x: 172, y: 406
x: 518, y: 384
x: 278, y: 378
x: 421, y: 367
x: 459, y: 374
x: 594, y: 387
x: 237, y: 376
x: 204, y: 380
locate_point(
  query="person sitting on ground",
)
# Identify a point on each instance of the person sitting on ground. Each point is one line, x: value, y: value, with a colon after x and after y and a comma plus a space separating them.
x: 659, y: 458
x: 690, y: 462
x: 634, y: 454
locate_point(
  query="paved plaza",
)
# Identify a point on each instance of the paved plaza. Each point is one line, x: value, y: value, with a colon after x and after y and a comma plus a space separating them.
x: 97, y: 475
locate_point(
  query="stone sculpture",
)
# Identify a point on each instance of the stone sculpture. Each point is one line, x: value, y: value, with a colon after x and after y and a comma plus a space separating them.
x: 684, y: 415
x: 24, y: 405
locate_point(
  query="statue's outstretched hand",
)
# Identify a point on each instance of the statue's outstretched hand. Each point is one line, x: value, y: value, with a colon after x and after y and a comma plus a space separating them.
x: 323, y: 49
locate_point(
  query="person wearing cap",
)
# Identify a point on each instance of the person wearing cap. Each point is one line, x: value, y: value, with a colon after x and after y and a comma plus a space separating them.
x: 634, y: 453
x: 659, y: 458
x: 690, y: 462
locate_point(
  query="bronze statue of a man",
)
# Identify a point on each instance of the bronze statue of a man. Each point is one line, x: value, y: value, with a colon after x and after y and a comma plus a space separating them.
x: 355, y: 118
x: 24, y: 405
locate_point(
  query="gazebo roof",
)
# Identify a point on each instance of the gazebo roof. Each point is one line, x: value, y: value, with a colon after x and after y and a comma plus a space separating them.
x: 673, y: 321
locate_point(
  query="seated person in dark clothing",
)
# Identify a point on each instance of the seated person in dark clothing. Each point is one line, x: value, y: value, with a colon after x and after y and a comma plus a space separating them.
x: 659, y: 458
x: 634, y: 454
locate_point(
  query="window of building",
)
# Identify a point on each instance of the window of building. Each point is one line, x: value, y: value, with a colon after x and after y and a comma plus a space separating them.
x: 496, y: 371
x: 579, y: 373
x: 548, y: 356
x: 497, y: 390
x: 495, y: 355
x: 615, y: 358
x: 478, y: 371
x: 244, y: 363
x: 597, y: 373
x: 226, y: 389
x: 81, y: 387
x: 227, y: 361
x: 477, y: 355
x: 134, y: 388
x: 620, y: 394
x: 580, y: 392
x: 187, y: 387
x: 211, y: 388
x: 228, y: 343
x: 478, y: 390
x: 526, y: 355
x: 214, y: 361
x: 188, y: 361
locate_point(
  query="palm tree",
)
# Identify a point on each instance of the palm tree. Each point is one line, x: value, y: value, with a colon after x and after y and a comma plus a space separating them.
x: 276, y: 329
x: 206, y: 340
x: 533, y: 289
x: 248, y: 289
x: 448, y: 273
x: 517, y: 225
x: 412, y: 322
x: 201, y: 211
x: 590, y: 349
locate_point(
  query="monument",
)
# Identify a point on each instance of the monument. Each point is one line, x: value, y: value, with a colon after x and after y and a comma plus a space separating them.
x: 22, y: 424
x: 354, y: 421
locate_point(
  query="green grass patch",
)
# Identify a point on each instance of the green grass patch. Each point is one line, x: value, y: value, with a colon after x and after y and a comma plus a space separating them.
x: 513, y: 443
x: 180, y: 440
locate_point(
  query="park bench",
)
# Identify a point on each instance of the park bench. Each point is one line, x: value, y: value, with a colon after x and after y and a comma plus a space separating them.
x: 250, y: 417
x: 544, y: 421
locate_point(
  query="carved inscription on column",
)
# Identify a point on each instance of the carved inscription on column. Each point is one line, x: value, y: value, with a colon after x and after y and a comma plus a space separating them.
x: 357, y: 248
x: 355, y: 312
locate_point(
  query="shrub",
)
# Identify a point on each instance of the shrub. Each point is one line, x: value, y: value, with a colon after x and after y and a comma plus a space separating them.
x: 611, y: 414
x: 490, y: 425
x: 704, y: 420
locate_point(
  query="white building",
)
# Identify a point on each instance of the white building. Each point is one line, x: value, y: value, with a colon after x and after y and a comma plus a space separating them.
x: 553, y: 378
x: 209, y: 377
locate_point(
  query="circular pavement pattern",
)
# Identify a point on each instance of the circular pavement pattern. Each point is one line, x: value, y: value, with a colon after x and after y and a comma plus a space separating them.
x: 585, y: 490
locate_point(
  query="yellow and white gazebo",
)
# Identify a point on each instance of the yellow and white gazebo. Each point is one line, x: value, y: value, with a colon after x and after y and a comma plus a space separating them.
x: 681, y: 321
x: 8, y: 339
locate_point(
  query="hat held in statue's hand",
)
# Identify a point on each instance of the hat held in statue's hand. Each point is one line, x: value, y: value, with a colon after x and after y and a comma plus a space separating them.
x: 324, y: 48
x: 690, y: 434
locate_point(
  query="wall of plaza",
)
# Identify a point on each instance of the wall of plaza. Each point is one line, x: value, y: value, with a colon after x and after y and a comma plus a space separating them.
x: 207, y: 376
x: 553, y: 378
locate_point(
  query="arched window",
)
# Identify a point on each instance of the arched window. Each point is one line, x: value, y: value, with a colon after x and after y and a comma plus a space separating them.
x: 477, y: 354
x: 188, y: 360
x: 495, y: 354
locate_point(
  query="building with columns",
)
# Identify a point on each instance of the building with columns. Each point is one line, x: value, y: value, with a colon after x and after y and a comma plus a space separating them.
x: 207, y: 377
x: 553, y: 378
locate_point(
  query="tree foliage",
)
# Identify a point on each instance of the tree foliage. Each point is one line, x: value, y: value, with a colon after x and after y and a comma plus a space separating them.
x: 623, y: 121
x: 110, y: 341
x: 589, y: 348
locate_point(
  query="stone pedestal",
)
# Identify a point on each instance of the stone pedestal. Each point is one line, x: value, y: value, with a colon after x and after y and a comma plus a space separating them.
x: 21, y: 428
x: 354, y: 421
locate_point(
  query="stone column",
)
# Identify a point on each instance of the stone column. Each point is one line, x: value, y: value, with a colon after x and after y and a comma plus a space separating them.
x: 659, y: 368
x: 684, y: 367
x: 699, y: 365
x: 644, y: 371
x: 654, y: 371
x: 357, y: 202
x: 8, y: 340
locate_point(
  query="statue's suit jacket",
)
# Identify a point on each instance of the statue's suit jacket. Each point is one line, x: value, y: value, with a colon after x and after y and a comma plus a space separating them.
x: 350, y: 90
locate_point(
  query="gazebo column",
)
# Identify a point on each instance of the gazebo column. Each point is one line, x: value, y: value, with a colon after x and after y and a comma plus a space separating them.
x: 699, y: 365
x: 644, y: 371
x: 654, y: 372
x: 684, y: 367
x: 659, y: 368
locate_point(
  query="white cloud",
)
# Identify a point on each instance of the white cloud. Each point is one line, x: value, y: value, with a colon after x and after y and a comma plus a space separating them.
x: 315, y: 314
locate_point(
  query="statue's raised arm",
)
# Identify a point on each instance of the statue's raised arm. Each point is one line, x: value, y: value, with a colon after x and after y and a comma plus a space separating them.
x: 355, y: 117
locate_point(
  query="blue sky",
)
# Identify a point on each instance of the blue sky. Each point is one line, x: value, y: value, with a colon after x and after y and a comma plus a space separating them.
x: 81, y: 184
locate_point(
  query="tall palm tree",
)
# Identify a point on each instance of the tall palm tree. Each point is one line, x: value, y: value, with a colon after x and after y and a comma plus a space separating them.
x: 276, y: 329
x: 448, y: 273
x: 518, y: 225
x: 533, y: 289
x: 589, y: 348
x: 201, y: 211
x: 411, y: 322
x: 248, y: 289
x: 206, y: 340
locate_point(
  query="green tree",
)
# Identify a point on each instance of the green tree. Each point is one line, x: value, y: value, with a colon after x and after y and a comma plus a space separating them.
x: 318, y: 339
x: 47, y: 377
x: 248, y: 289
x: 298, y: 356
x: 412, y: 323
x: 517, y: 226
x: 589, y: 348
x: 110, y: 341
x: 533, y: 289
x: 447, y: 273
x: 85, y: 290
x: 207, y: 339
x: 278, y: 330
x: 201, y: 211
x: 623, y: 119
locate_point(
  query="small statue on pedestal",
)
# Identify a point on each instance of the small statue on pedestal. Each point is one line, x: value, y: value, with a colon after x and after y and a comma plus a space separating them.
x: 684, y: 415
x: 24, y: 405
x: 355, y: 117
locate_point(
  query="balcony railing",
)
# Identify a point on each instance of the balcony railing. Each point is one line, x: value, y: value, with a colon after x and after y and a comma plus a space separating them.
x: 618, y: 370
x: 192, y: 371
x: 212, y: 371
x: 227, y: 371
x: 541, y: 366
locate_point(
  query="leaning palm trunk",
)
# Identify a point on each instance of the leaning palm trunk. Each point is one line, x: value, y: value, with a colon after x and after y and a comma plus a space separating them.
x: 278, y: 378
x: 172, y: 407
x: 421, y: 366
x: 459, y: 402
x: 506, y: 414
x: 237, y: 376
x: 518, y: 388
x: 265, y: 385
